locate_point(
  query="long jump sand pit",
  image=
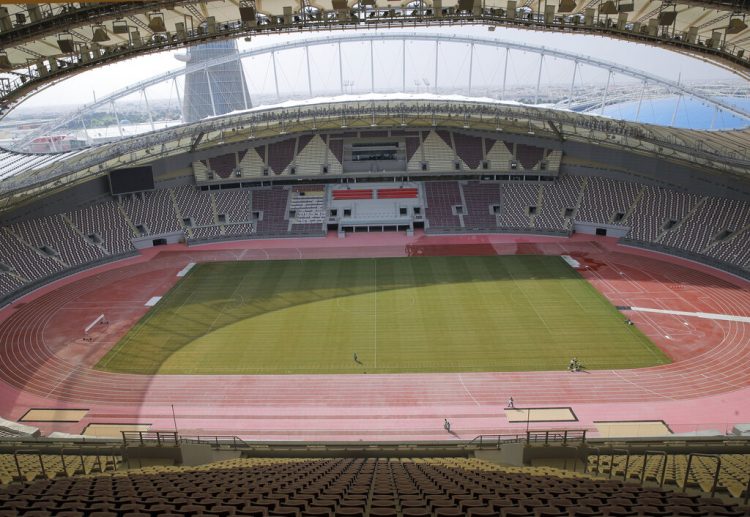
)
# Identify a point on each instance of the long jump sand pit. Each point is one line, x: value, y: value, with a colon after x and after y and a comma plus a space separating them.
x: 54, y: 415
x: 633, y: 428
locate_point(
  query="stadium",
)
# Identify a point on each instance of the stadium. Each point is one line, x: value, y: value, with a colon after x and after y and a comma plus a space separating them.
x: 389, y: 259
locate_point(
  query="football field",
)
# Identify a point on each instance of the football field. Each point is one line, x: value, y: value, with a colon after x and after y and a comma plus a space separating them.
x: 430, y: 314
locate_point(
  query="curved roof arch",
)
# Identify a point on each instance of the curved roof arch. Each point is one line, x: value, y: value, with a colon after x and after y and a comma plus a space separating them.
x: 341, y: 38
x: 713, y: 152
x: 32, y: 52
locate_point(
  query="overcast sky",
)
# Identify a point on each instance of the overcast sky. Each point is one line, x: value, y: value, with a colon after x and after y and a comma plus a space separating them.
x: 453, y: 66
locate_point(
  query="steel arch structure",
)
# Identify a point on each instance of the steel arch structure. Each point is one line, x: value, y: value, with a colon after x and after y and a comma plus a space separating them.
x: 437, y: 38
x: 719, y: 152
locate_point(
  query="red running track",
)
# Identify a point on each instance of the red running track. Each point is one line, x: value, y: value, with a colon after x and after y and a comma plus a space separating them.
x: 45, y: 363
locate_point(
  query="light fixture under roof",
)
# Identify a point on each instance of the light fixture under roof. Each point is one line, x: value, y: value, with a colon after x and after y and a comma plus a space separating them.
x: 99, y: 34
x: 156, y: 22
x: 120, y: 27
x: 667, y: 18
x: 608, y: 7
x: 4, y: 61
x: 66, y: 43
x: 566, y: 6
x: 736, y: 26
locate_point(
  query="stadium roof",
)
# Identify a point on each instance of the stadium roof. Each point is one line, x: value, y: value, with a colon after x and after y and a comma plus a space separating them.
x: 79, y: 36
x: 717, y: 152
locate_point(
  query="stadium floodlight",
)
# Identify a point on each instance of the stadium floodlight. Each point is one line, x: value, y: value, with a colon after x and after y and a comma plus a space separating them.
x: 156, y: 21
x: 608, y: 7
x: 4, y: 61
x: 247, y: 11
x: 99, y: 33
x: 566, y: 6
x: 736, y: 26
x: 120, y: 27
x: 66, y: 43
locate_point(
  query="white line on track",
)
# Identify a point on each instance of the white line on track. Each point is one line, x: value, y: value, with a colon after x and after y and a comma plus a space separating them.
x: 460, y: 378
x: 704, y: 315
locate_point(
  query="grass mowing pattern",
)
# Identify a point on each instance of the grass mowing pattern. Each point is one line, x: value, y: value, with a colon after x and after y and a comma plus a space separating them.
x: 431, y: 314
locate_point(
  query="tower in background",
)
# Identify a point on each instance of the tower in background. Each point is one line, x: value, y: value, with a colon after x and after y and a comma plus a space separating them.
x: 213, y: 90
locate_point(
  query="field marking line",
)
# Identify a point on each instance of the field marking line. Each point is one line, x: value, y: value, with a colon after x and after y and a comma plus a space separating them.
x: 704, y: 315
x: 139, y: 325
x: 466, y: 389
x: 531, y: 304
x: 184, y: 271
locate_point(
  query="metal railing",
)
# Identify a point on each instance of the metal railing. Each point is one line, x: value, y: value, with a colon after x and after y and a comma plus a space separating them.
x: 219, y: 441
x: 150, y: 438
x: 717, y: 470
x: 545, y: 437
x: 109, y: 462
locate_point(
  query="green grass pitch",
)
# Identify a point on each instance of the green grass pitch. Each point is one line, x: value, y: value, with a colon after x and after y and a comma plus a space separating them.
x: 429, y: 314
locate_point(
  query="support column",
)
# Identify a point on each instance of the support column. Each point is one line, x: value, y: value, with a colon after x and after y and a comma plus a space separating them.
x: 309, y: 77
x: 245, y: 93
x: 372, y: 68
x: 572, y: 83
x: 471, y: 64
x: 713, y: 117
x: 539, y: 78
x: 640, y: 101
x: 505, y: 72
x: 435, y: 85
x: 674, y: 115
x: 403, y: 65
x: 275, y: 76
x: 341, y: 70
x: 117, y: 118
x: 148, y: 108
x: 83, y: 124
x: 210, y: 92
x: 606, y: 91
x: 177, y: 92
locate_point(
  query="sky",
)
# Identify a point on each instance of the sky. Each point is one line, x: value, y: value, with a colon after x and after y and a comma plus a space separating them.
x: 453, y: 67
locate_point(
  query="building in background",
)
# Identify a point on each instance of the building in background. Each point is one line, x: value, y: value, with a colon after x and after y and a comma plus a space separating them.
x: 213, y: 90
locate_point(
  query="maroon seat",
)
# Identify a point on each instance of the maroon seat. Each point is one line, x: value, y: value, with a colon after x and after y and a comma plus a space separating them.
x: 650, y: 511
x: 323, y: 503
x: 382, y: 503
x: 584, y: 511
x: 722, y: 511
x: 253, y: 511
x: 482, y: 512
x: 223, y: 510
x: 313, y: 511
x: 383, y: 512
x: 448, y: 512
x: 516, y: 512
x: 414, y: 503
x: 296, y: 503
x: 465, y: 504
x: 415, y: 512
x: 549, y: 511
x: 350, y: 512
x: 686, y: 511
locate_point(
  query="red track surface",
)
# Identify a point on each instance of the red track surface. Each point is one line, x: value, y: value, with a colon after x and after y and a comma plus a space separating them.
x: 45, y: 363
